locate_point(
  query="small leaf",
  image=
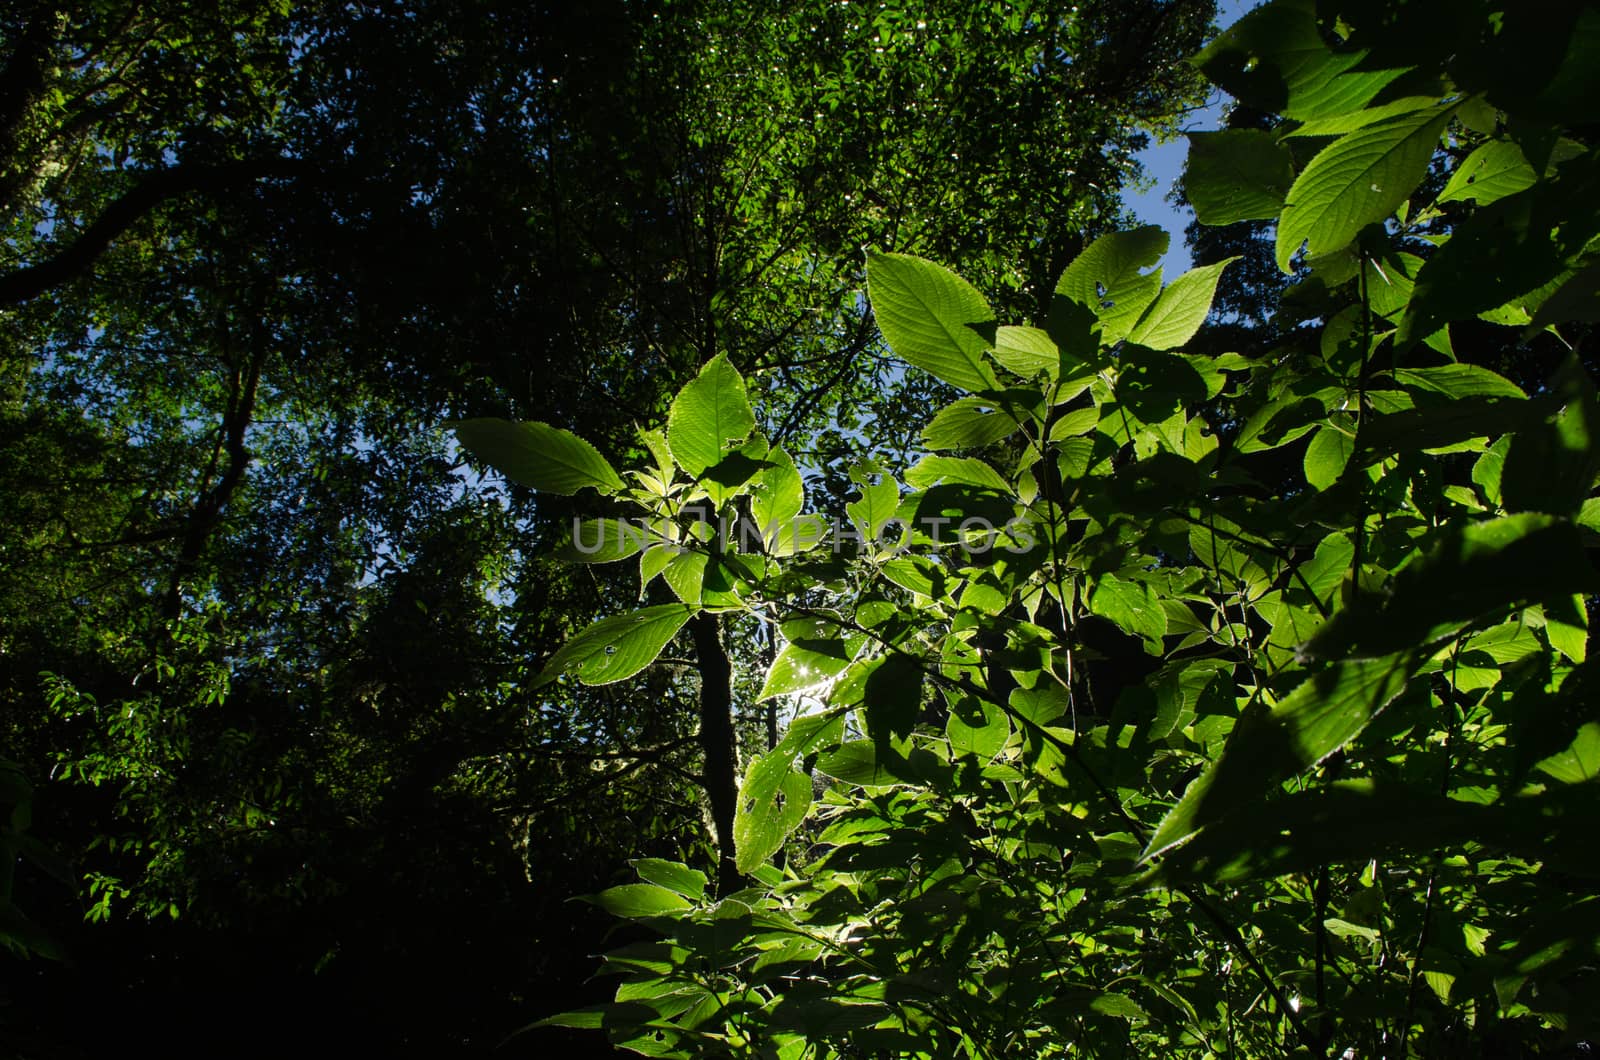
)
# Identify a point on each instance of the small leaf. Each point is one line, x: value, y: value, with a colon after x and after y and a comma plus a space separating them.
x: 965, y: 470
x: 1177, y: 313
x: 538, y: 455
x: 931, y: 318
x: 711, y: 410
x: 680, y: 879
x: 618, y: 647
x: 1493, y: 171
x: 633, y: 901
x: 1327, y: 456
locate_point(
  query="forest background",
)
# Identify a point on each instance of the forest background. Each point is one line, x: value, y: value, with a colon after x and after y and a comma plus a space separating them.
x: 280, y: 753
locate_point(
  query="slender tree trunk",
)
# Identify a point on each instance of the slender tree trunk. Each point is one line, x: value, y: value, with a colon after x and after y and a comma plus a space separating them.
x: 214, y: 497
x: 718, y: 742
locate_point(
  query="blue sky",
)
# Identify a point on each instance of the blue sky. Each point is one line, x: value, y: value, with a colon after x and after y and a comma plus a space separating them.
x: 1164, y: 162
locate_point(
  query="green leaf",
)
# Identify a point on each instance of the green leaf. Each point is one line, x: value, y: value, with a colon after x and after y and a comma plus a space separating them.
x: 1275, y: 59
x: 710, y: 411
x: 633, y: 901
x: 977, y: 728
x: 1357, y: 180
x: 1327, y: 456
x: 603, y: 541
x: 1237, y: 175
x: 969, y: 423
x: 1466, y: 574
x: 1133, y: 606
x: 806, y: 664
x: 1322, y: 714
x: 878, y: 504
x: 774, y: 798
x: 1177, y: 313
x: 931, y: 318
x: 893, y: 697
x: 776, y: 495
x: 1580, y: 762
x: 1551, y: 465
x: 1493, y: 171
x: 966, y: 470
x: 1346, y: 821
x: 1107, y: 280
x: 538, y: 455
x: 680, y: 879
x: 1071, y: 424
x: 685, y: 575
x: 618, y: 647
x: 860, y: 762
x: 1458, y: 381
x: 1026, y: 351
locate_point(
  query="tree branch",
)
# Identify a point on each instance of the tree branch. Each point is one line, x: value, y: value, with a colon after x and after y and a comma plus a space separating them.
x: 149, y: 192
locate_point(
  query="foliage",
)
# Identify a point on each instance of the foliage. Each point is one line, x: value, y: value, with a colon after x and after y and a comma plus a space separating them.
x: 269, y: 644
x: 1214, y: 704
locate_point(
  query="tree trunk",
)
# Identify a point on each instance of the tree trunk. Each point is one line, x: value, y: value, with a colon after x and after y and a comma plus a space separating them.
x: 718, y: 741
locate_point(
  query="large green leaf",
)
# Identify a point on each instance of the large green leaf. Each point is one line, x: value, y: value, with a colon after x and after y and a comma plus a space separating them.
x: 969, y: 423
x: 966, y: 470
x: 802, y: 665
x: 878, y: 503
x: 776, y: 495
x: 774, y: 797
x: 1027, y: 351
x: 1277, y: 59
x: 1493, y: 171
x: 1108, y: 280
x: 1133, y: 606
x: 1357, y: 180
x: 546, y: 458
x: 1468, y: 573
x: 931, y: 318
x: 1348, y: 821
x: 604, y: 540
x: 711, y: 410
x: 680, y: 879
x: 1177, y: 313
x: 618, y: 647
x: 1237, y: 175
x: 1325, y: 712
x: 634, y: 901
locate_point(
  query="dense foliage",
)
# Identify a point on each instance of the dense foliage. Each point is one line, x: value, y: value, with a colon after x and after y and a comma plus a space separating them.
x: 1174, y: 703
x: 269, y: 647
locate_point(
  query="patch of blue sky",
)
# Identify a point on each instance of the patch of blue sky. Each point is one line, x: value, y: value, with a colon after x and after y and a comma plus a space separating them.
x: 1163, y: 164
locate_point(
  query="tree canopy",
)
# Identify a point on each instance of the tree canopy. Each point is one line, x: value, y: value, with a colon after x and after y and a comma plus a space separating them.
x: 273, y: 644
